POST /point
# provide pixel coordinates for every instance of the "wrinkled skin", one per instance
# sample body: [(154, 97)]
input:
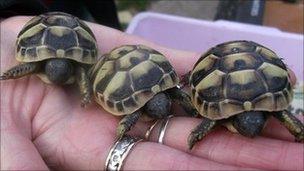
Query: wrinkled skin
[(43, 126)]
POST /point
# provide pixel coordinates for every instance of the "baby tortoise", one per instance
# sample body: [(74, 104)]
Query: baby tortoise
[(58, 47), (133, 80), (240, 84)]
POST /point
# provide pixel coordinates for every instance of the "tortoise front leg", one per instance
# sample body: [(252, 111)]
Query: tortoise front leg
[(200, 131), (127, 122), (294, 126), (84, 85), (184, 100), (21, 70)]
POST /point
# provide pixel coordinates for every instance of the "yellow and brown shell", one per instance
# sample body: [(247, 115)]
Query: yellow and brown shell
[(56, 35), (239, 76), (129, 76)]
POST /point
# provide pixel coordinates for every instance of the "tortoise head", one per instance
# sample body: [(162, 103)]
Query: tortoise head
[(249, 123), (58, 71), (159, 106)]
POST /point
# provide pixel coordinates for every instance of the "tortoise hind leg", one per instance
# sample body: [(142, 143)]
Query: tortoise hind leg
[(184, 100), (201, 131), (21, 70), (294, 126), (127, 122), (84, 85)]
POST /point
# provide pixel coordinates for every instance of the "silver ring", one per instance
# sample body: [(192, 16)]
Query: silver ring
[(147, 134), (162, 129), (119, 151)]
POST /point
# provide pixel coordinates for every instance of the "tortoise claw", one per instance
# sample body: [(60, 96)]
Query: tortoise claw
[(300, 137), (193, 138), (121, 130), (299, 140), (85, 102), (3, 77)]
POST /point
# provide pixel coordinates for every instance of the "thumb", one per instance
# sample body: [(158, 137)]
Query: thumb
[(17, 150)]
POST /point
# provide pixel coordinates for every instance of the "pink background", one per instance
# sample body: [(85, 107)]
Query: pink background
[(199, 35)]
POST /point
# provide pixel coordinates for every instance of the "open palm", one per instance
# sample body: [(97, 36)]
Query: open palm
[(43, 126)]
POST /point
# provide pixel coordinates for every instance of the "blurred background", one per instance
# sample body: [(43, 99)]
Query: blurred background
[(286, 15)]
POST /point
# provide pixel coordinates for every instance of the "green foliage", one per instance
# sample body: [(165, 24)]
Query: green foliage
[(138, 5)]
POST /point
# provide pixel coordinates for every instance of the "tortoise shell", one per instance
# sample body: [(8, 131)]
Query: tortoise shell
[(239, 76), (56, 35), (129, 76)]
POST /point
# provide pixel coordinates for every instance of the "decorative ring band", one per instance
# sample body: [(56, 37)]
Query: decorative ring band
[(119, 152), (162, 129)]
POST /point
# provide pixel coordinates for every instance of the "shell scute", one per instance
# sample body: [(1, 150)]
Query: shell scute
[(275, 77), (61, 20), (233, 47), (33, 22), (239, 61), (145, 75), (244, 85), (210, 88), (203, 68), (32, 37), (119, 87), (59, 37), (269, 56), (85, 39)]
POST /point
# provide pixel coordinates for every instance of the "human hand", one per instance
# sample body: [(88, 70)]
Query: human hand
[(43, 126)]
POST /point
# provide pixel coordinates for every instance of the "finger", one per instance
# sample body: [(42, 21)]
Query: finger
[(8, 35), (233, 149), (17, 151), (153, 156)]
